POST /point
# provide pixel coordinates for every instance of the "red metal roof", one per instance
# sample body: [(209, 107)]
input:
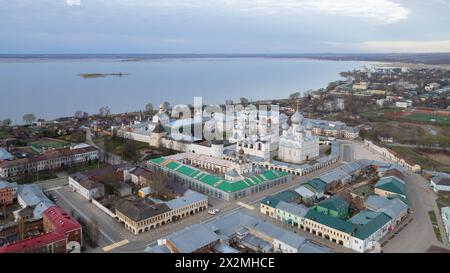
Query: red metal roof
[(61, 221), (33, 243)]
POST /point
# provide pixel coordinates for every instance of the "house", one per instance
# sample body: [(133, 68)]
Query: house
[(47, 243), (314, 189), (56, 220), (86, 187), (403, 104), (8, 192), (195, 239), (394, 208), (140, 176), (441, 183), (291, 213), (269, 204), (385, 139), (390, 185), (368, 228), (335, 206), (142, 215)]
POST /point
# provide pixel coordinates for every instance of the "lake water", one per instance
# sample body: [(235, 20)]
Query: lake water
[(52, 88)]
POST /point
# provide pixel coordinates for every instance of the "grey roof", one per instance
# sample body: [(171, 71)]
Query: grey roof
[(441, 180), (256, 243), (230, 224), (157, 249), (4, 184), (40, 208), (142, 209), (294, 209), (280, 234), (224, 248), (193, 238), (5, 155), (89, 184), (309, 247), (189, 197), (232, 173), (32, 195), (392, 207)]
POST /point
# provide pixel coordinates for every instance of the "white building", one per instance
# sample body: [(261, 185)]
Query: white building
[(85, 187), (441, 183), (298, 145), (403, 104)]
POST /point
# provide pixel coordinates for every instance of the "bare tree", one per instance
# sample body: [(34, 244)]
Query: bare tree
[(104, 111), (149, 107), (93, 232), (29, 118), (158, 183)]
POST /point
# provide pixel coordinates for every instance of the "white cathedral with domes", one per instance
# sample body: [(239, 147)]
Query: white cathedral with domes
[(297, 143)]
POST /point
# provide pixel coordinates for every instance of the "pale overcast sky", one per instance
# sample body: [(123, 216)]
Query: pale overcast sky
[(224, 26)]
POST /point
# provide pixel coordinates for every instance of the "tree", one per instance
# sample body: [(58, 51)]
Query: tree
[(294, 96), (244, 101), (166, 105), (129, 149), (29, 118), (93, 232), (104, 111), (158, 184), (78, 114), (6, 122), (149, 108)]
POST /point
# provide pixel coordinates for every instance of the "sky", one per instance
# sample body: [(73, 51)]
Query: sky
[(224, 26)]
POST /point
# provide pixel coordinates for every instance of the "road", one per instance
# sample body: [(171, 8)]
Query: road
[(106, 156)]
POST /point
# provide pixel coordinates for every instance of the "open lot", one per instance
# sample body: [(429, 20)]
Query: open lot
[(428, 118)]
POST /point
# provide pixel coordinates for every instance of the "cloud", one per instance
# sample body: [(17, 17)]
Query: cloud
[(73, 2), (382, 11)]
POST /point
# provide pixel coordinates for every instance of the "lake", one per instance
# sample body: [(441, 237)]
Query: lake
[(51, 88)]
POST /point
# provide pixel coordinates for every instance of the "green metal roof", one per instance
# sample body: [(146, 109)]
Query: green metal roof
[(391, 184), (173, 165), (213, 180), (286, 196), (316, 184), (158, 160), (329, 221), (371, 222), (335, 203)]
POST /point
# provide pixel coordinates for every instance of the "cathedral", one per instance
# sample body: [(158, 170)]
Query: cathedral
[(297, 143)]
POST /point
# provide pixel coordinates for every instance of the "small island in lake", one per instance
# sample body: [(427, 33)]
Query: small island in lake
[(100, 75)]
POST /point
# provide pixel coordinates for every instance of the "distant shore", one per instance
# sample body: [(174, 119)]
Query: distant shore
[(100, 75)]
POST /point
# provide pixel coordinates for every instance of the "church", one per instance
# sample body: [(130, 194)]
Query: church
[(297, 143)]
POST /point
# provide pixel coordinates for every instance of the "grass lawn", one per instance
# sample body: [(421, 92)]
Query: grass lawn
[(434, 222), (428, 118), (117, 146)]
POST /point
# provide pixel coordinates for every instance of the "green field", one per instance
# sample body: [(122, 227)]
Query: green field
[(428, 118), (40, 145)]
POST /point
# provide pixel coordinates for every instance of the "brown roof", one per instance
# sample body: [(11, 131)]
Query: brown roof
[(158, 128), (395, 173)]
